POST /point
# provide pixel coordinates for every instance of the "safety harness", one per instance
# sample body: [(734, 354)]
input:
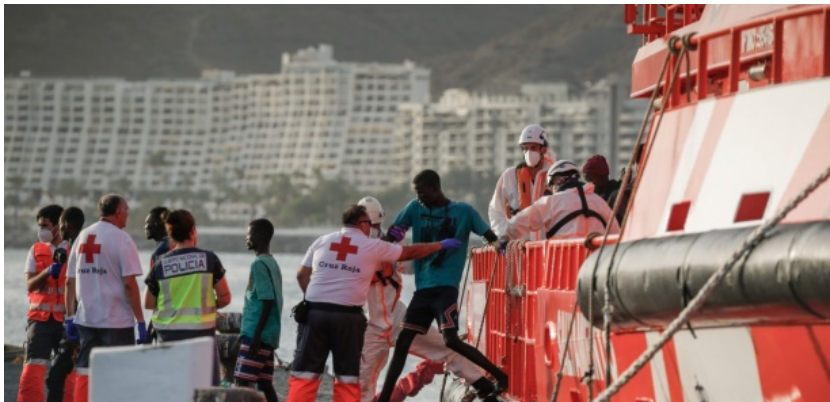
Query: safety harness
[(585, 211)]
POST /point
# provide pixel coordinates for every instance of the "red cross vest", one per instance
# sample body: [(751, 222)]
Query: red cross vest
[(49, 299)]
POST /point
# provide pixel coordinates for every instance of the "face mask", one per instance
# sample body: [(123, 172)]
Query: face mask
[(532, 158), (45, 235), (374, 233)]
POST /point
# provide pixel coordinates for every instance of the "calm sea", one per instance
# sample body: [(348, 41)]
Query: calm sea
[(237, 266)]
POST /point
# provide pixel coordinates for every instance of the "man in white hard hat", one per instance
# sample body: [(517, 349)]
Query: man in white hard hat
[(386, 312), (572, 210), (520, 186)]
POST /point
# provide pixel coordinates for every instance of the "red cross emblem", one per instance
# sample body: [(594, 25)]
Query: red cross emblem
[(89, 249), (343, 249)]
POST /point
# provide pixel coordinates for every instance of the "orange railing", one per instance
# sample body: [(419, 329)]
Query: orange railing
[(516, 327)]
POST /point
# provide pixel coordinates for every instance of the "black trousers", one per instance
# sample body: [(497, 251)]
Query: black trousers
[(62, 365), (340, 333)]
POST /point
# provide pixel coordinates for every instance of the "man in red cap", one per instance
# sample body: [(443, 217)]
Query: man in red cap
[(595, 171)]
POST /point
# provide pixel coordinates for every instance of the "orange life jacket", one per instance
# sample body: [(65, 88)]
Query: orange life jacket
[(49, 298), (524, 180)]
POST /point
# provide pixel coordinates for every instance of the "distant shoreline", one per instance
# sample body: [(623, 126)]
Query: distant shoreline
[(216, 238)]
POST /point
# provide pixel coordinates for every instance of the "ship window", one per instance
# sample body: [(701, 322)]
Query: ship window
[(677, 218), (752, 207)]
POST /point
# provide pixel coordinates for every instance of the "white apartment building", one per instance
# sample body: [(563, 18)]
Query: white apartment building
[(316, 115), (481, 131), (105, 133)]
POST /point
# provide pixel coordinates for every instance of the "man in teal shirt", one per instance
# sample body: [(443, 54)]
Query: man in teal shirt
[(434, 217), (261, 314)]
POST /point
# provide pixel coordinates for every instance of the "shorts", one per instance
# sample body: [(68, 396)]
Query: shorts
[(254, 368), (42, 338), (97, 337), (440, 302)]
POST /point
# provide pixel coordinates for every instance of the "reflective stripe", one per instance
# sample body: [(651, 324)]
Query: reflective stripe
[(165, 291), (205, 287), (61, 291), (39, 362), (185, 311), (47, 307), (82, 370), (307, 375), (346, 379), (184, 325)]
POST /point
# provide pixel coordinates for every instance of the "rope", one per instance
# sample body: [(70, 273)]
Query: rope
[(564, 355), (753, 240), (519, 290), (683, 54), (508, 286), (617, 205), (487, 298)]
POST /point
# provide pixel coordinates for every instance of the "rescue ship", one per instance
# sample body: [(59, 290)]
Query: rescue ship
[(718, 286)]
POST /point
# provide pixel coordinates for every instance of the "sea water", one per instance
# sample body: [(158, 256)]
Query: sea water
[(237, 266)]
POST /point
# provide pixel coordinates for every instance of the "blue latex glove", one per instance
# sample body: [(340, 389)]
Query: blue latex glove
[(450, 244), (55, 269), (142, 334), (398, 232), (71, 329), (502, 244)]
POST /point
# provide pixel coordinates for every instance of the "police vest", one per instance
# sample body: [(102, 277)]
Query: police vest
[(49, 298), (186, 301)]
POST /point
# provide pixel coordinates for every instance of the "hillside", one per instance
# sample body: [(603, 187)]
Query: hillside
[(475, 47)]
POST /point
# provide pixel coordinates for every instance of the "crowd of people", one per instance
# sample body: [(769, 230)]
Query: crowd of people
[(84, 292)]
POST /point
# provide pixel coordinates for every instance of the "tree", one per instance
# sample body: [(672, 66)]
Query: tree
[(15, 198), (121, 185), (221, 190), (475, 188), (70, 191)]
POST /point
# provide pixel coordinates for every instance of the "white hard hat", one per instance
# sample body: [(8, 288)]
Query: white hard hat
[(533, 134), (373, 208), (562, 167)]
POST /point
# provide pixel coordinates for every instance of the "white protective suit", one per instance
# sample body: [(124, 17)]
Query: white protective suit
[(386, 312), (506, 196), (549, 210)]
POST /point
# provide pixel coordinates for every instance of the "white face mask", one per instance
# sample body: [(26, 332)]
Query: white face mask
[(45, 235), (374, 233), (532, 158)]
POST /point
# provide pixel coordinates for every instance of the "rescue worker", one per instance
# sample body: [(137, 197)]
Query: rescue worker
[(45, 277), (596, 170), (386, 312), (573, 210), (186, 286), (60, 381), (335, 276), (101, 272), (434, 217), (520, 186), (624, 191)]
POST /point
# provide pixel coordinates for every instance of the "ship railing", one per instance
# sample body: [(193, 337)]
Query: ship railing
[(658, 20), (531, 300)]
